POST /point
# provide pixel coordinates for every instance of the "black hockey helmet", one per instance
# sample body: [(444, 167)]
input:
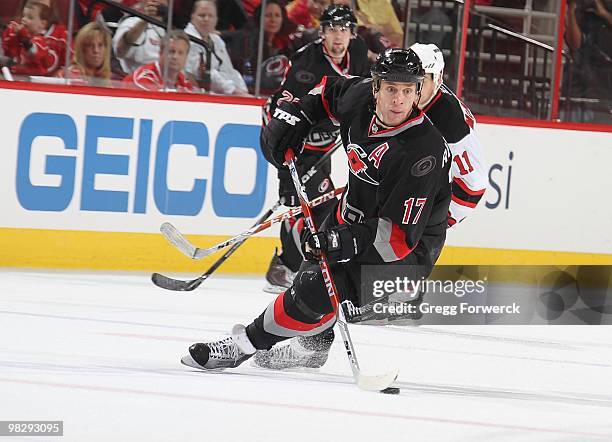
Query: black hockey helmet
[(401, 65), (338, 15)]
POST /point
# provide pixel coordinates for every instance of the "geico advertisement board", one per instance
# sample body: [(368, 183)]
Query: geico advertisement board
[(124, 164)]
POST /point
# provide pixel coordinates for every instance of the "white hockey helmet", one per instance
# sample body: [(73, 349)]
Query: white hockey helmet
[(433, 61)]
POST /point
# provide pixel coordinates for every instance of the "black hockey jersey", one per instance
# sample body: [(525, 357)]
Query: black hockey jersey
[(469, 171), (399, 181), (306, 69)]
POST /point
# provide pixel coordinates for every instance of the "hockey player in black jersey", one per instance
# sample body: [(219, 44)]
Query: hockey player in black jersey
[(336, 52), (394, 210), (458, 127), (457, 124)]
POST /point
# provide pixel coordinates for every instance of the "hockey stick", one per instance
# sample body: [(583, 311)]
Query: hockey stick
[(177, 239), (370, 383), (179, 285), (168, 283)]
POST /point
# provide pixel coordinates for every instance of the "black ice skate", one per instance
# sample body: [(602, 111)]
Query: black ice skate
[(300, 352), (229, 352), (279, 276)]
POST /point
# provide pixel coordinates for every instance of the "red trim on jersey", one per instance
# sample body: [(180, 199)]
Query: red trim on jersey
[(433, 100), (299, 225), (323, 84), (461, 202), (466, 189), (397, 241), (339, 215), (399, 128), (284, 320), (451, 221), (317, 148)]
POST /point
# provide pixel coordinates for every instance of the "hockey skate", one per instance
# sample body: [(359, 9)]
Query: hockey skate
[(300, 352), (228, 352), (279, 276)]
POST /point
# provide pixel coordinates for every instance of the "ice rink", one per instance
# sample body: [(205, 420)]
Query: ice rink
[(101, 351)]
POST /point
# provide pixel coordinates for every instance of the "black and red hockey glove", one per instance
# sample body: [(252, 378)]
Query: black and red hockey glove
[(286, 190), (287, 129), (340, 243)]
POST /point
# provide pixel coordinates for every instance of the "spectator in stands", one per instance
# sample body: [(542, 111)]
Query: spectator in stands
[(306, 12), (243, 45), (589, 37), (150, 76), (379, 16), (36, 44), (91, 63), (374, 39), (224, 79), (136, 42)]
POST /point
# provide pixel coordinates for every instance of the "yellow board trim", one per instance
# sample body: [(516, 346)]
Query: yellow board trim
[(61, 249)]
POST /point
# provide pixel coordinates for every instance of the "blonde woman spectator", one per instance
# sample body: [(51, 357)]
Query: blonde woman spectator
[(136, 41), (223, 77), (91, 63)]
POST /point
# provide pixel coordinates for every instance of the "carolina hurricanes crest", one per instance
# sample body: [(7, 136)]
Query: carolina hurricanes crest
[(357, 165)]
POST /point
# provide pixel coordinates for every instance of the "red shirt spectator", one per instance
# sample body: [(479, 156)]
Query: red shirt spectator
[(149, 77), (38, 47)]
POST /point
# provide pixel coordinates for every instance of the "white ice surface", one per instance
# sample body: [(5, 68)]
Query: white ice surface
[(101, 352)]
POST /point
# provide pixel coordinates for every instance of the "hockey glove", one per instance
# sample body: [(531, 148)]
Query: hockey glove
[(286, 190), (287, 129), (340, 243)]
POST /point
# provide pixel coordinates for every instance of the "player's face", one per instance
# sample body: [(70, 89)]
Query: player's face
[(94, 51), (394, 101), (428, 90), (204, 17), (273, 18), (32, 21), (177, 55), (336, 40)]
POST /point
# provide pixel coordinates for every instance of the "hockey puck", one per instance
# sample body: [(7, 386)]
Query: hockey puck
[(390, 390)]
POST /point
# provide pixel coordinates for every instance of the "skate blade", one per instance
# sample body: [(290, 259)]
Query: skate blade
[(190, 362), (377, 382)]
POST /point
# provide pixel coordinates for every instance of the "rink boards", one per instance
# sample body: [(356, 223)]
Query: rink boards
[(87, 179)]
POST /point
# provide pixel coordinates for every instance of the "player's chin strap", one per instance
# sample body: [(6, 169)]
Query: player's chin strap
[(370, 383)]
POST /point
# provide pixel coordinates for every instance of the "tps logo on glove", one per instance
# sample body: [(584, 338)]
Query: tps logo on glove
[(280, 114)]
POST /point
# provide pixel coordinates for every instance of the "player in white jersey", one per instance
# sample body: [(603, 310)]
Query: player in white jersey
[(457, 125)]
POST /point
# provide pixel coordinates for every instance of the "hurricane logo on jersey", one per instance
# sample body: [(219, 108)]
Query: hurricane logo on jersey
[(357, 165)]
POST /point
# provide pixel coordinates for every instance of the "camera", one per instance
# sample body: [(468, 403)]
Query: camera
[(162, 11)]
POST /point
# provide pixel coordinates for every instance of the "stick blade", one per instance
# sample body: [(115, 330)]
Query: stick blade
[(377, 382), (177, 239), (176, 285)]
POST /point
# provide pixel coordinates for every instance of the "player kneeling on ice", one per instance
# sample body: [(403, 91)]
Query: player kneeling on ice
[(393, 211)]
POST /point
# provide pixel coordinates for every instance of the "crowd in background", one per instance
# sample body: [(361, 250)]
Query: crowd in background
[(214, 44)]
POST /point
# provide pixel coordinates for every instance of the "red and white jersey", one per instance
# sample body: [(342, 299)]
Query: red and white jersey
[(149, 77), (469, 169), (44, 57)]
